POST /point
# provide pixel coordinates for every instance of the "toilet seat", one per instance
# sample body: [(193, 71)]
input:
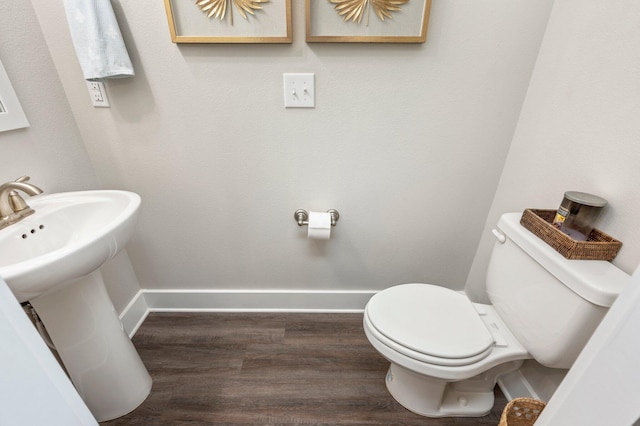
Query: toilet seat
[(428, 323)]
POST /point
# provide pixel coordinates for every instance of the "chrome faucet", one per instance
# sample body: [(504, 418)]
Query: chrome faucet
[(13, 208)]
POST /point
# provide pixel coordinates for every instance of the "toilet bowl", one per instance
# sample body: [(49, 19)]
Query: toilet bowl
[(447, 353)]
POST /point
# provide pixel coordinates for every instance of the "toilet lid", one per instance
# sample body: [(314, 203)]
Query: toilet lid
[(430, 320)]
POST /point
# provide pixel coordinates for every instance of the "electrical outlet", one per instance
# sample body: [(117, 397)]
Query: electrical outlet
[(299, 90), (98, 94)]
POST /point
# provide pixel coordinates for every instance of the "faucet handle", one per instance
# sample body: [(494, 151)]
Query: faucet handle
[(24, 179)]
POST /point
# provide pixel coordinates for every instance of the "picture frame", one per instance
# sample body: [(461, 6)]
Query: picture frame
[(360, 22), (11, 114), (268, 21)]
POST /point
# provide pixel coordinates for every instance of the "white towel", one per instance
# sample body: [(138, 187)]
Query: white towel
[(97, 39)]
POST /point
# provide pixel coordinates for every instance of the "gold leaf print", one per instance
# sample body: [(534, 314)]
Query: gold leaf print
[(217, 9), (354, 10)]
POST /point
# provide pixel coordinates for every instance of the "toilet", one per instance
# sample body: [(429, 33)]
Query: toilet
[(447, 353)]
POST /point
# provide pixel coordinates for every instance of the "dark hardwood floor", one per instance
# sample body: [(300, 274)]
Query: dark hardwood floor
[(268, 369)]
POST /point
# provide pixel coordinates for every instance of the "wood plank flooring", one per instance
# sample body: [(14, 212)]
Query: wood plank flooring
[(268, 369)]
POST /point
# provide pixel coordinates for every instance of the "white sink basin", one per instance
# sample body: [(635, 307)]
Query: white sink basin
[(69, 236), (52, 259)]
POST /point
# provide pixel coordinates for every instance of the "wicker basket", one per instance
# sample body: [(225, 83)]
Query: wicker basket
[(521, 412), (598, 246)]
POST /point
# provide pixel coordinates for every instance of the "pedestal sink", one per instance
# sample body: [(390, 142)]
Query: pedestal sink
[(52, 259)]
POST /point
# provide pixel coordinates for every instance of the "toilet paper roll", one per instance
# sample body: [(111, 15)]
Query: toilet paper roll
[(319, 226)]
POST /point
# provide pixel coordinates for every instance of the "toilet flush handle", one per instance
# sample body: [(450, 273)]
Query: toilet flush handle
[(499, 236)]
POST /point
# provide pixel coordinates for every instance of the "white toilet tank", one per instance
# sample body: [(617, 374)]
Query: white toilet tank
[(551, 304)]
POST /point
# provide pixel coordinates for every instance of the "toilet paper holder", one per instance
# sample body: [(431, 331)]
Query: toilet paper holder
[(302, 216)]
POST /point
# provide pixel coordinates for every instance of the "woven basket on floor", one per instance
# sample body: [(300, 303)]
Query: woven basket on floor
[(521, 412), (599, 246)]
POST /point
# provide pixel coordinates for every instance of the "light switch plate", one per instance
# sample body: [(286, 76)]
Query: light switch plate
[(299, 90)]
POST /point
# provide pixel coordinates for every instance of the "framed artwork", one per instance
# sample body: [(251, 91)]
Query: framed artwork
[(11, 113), (367, 21), (229, 21)]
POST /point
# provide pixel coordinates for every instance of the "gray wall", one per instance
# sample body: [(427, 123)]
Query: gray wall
[(406, 141), (51, 150), (578, 129)]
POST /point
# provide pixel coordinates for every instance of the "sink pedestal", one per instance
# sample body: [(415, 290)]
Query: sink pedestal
[(101, 360)]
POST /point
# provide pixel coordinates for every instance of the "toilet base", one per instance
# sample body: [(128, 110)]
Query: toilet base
[(431, 397)]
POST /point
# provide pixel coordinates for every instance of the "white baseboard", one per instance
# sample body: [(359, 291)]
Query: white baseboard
[(515, 385), (134, 314), (343, 301)]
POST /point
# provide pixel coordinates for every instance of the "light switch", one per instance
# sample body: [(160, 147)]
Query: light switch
[(98, 94), (299, 90)]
